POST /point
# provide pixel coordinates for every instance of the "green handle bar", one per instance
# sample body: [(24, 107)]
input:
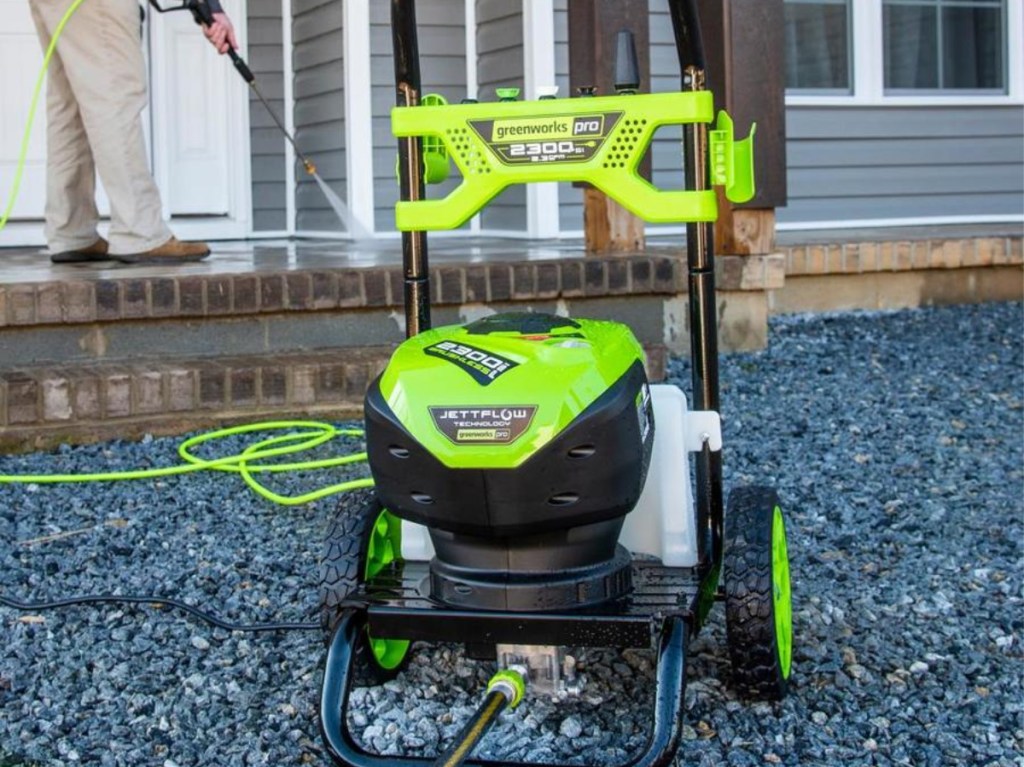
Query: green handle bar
[(597, 140)]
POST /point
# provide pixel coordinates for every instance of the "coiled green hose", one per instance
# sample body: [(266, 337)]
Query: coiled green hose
[(305, 435)]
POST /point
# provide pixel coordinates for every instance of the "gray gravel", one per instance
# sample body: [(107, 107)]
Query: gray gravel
[(895, 441)]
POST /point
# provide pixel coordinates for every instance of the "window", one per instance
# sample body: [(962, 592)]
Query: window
[(944, 45), (818, 46), (912, 52)]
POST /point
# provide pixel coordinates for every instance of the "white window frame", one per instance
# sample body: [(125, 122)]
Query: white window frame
[(542, 211), (358, 115), (868, 73)]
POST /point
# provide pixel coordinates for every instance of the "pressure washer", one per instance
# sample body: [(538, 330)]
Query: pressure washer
[(522, 503)]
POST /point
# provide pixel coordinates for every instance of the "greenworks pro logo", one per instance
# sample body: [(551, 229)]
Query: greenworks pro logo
[(546, 128), (550, 139), (484, 366)]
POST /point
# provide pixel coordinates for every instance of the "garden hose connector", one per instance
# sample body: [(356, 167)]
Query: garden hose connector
[(509, 682)]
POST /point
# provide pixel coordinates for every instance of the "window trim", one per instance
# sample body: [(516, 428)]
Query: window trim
[(868, 70)]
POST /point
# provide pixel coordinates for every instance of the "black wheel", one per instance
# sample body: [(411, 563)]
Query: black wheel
[(361, 540), (758, 612)]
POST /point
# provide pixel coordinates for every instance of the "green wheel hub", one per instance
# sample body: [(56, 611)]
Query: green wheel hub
[(781, 595), (382, 548)]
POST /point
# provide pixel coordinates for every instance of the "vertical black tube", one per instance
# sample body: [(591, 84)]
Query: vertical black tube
[(703, 327), (410, 166), (686, 26), (669, 698)]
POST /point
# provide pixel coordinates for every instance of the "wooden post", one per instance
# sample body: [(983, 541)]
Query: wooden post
[(593, 28), (745, 45)]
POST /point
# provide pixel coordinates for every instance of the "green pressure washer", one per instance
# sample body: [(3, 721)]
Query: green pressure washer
[(516, 465)]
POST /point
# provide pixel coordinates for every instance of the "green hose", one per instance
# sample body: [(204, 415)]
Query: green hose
[(23, 153), (310, 434)]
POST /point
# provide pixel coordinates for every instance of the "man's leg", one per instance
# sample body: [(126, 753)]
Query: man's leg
[(71, 214), (102, 59)]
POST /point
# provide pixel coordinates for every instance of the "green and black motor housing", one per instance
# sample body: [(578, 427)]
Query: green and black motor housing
[(520, 441)]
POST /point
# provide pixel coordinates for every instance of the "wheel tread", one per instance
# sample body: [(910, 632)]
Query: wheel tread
[(342, 564), (750, 621)]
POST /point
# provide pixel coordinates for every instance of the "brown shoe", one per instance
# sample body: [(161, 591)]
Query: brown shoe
[(95, 252), (174, 251)]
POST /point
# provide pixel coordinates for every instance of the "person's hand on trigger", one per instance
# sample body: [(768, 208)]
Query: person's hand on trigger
[(221, 33)]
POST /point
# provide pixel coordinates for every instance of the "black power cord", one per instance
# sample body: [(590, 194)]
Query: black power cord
[(133, 599)]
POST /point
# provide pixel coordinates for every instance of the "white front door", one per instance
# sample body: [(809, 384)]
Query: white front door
[(188, 90), (199, 107), (197, 104)]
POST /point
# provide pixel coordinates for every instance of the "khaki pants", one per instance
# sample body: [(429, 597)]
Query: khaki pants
[(96, 91)]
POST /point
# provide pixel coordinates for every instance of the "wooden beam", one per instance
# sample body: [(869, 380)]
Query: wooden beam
[(745, 40), (594, 26), (745, 44), (744, 231), (607, 226)]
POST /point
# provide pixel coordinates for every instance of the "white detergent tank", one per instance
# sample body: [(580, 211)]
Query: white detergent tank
[(663, 523)]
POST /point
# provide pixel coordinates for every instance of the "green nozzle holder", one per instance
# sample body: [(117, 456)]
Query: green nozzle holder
[(435, 155), (608, 135), (732, 162)]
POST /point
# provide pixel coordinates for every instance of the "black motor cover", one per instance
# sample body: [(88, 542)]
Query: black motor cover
[(592, 472)]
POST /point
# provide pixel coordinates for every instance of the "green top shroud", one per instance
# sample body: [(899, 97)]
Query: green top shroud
[(569, 368), (599, 140)]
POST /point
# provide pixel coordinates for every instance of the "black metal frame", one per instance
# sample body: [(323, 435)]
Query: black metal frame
[(398, 603), (661, 747), (392, 603)]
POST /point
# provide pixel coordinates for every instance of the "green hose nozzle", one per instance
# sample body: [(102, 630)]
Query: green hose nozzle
[(511, 683)]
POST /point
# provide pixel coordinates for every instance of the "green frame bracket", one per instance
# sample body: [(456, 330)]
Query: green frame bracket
[(598, 140), (435, 155)]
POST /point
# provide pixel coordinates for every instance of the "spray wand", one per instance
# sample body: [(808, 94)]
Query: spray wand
[(203, 16)]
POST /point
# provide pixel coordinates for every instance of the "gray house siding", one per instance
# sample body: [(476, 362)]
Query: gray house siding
[(319, 94), (442, 44), (666, 148), (499, 42), (267, 146), (846, 163), (858, 163)]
